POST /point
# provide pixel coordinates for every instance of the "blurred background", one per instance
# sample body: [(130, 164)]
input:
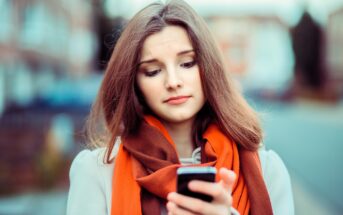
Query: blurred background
[(287, 56)]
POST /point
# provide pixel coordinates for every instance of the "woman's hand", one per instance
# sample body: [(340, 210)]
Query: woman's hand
[(221, 192)]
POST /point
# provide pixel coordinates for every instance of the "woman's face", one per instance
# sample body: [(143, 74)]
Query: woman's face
[(169, 77)]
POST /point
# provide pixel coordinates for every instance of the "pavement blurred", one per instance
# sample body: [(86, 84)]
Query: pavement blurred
[(308, 136), (35, 203)]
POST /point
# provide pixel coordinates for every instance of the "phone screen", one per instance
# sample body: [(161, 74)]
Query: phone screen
[(186, 174)]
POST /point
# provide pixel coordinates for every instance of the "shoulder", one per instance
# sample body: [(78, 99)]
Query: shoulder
[(271, 163), (90, 162), (273, 168), (89, 174), (89, 167), (278, 182), (89, 158)]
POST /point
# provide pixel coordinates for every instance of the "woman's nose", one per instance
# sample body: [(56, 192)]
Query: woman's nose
[(173, 79)]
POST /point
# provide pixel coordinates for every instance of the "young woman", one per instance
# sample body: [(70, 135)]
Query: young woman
[(167, 101)]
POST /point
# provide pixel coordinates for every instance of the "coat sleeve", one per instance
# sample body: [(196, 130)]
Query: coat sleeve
[(278, 183), (86, 193)]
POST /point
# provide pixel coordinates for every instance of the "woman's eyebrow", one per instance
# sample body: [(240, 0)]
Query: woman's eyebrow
[(148, 61), (155, 60), (185, 52)]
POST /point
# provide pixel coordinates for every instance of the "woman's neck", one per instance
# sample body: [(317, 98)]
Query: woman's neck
[(181, 135)]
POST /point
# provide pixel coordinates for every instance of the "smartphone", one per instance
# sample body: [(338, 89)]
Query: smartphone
[(186, 174)]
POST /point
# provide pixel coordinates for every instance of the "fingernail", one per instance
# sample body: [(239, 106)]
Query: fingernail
[(191, 185)]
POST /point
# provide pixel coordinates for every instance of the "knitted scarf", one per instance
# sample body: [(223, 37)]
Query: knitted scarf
[(146, 164)]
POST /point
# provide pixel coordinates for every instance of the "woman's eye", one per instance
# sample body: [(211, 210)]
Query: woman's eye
[(188, 64), (152, 73)]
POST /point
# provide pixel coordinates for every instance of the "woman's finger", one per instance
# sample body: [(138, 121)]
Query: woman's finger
[(194, 205), (228, 179), (186, 202), (216, 190), (173, 209)]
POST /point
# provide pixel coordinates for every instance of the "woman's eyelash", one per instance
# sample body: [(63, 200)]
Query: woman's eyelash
[(188, 64), (155, 72), (152, 73)]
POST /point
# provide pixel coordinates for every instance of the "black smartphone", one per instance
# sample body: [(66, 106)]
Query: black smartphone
[(186, 174)]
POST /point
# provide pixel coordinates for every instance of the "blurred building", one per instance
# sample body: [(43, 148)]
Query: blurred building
[(47, 49), (307, 43), (334, 49), (257, 50), (41, 42)]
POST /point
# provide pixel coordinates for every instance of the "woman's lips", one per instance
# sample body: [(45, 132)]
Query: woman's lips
[(177, 100)]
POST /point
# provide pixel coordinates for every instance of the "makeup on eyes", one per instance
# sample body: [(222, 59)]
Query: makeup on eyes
[(152, 72), (151, 67)]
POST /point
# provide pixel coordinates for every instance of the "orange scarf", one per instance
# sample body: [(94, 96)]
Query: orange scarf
[(146, 163)]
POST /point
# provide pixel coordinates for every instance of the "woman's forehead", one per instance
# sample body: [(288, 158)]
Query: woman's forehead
[(171, 39)]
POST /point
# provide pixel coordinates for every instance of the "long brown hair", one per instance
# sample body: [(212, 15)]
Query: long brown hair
[(118, 109)]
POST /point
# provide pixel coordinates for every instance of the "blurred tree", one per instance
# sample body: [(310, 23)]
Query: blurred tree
[(307, 38), (108, 31)]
